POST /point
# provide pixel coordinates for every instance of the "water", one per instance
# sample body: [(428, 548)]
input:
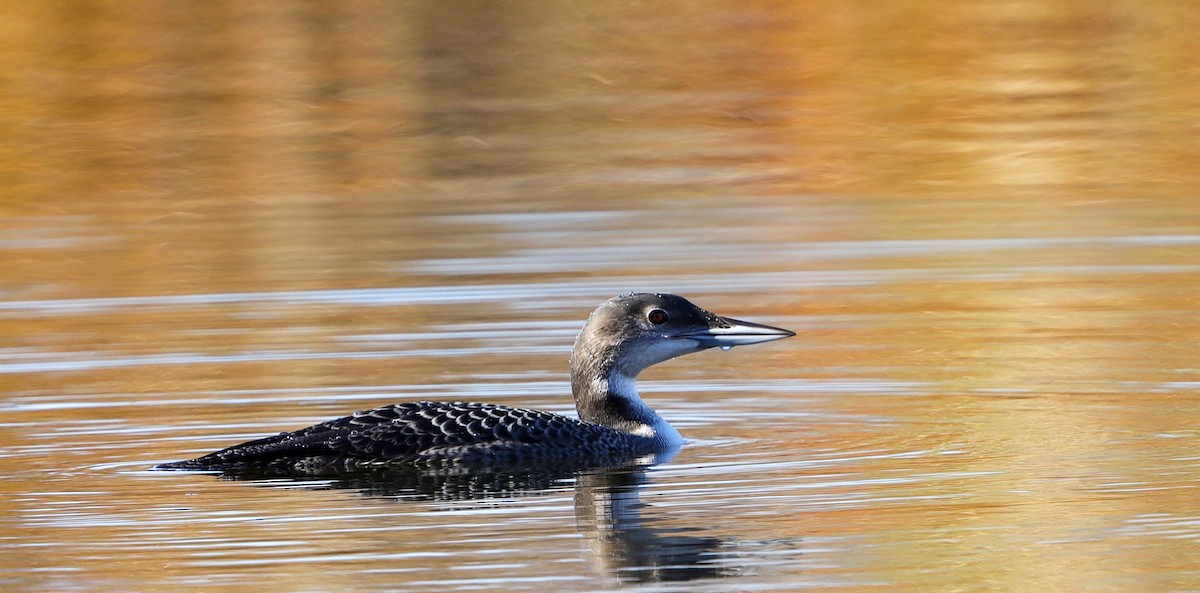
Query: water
[(218, 222)]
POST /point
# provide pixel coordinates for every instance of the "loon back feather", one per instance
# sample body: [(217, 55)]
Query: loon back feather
[(432, 431)]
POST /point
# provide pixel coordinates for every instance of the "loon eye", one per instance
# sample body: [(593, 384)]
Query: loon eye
[(657, 316)]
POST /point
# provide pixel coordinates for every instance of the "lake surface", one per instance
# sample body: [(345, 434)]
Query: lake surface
[(221, 221)]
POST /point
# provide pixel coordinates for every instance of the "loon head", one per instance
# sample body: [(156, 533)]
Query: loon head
[(636, 330), (633, 331)]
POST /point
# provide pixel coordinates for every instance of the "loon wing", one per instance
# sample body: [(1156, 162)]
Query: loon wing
[(414, 431)]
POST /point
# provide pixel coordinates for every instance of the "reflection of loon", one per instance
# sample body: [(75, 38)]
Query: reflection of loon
[(627, 540), (626, 545), (621, 338)]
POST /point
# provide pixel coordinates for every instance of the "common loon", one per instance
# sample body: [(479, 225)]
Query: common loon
[(623, 336)]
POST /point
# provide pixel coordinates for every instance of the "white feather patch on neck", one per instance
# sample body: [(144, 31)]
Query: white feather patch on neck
[(624, 386)]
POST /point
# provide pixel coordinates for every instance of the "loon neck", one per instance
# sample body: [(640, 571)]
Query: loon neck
[(612, 400), (606, 393)]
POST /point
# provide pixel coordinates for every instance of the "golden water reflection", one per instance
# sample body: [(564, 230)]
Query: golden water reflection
[(223, 220)]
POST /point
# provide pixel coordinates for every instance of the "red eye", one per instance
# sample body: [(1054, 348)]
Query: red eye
[(657, 317)]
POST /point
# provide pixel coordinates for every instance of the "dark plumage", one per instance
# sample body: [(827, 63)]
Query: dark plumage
[(431, 433), (621, 338)]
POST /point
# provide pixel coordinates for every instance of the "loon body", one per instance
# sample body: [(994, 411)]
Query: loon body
[(622, 337)]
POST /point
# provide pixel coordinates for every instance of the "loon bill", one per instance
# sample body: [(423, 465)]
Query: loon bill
[(623, 336)]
